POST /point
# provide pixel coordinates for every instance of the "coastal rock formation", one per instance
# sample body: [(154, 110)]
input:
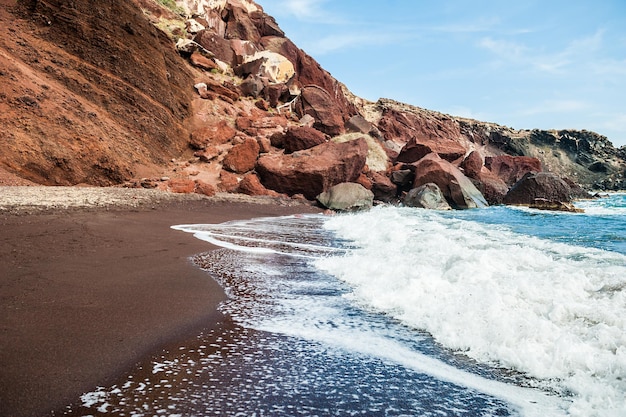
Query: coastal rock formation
[(302, 137), (541, 185), (313, 171), (512, 168), (347, 196), (456, 187), (212, 92)]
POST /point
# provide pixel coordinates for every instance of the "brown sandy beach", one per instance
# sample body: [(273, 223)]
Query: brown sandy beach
[(95, 281)]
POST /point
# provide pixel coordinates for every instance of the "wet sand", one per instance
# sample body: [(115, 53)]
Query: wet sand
[(87, 293)]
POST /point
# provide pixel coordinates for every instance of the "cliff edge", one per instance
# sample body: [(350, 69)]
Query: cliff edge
[(210, 96)]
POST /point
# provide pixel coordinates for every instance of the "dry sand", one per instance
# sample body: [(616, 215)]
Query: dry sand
[(93, 280)]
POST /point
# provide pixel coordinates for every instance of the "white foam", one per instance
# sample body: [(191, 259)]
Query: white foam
[(554, 311)]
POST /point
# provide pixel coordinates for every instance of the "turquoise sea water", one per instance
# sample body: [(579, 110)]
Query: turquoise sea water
[(402, 312)]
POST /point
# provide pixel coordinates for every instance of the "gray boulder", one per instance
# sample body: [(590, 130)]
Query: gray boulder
[(427, 196), (347, 196)]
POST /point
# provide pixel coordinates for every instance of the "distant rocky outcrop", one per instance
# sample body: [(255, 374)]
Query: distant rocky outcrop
[(209, 95)]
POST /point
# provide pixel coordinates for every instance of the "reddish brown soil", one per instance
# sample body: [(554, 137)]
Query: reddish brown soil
[(90, 92)]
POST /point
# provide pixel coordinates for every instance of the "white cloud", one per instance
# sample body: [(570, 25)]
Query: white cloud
[(556, 106), (350, 40), (307, 10), (579, 52), (616, 122), (518, 54)]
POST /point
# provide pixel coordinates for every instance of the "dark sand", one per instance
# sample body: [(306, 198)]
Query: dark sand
[(86, 294)]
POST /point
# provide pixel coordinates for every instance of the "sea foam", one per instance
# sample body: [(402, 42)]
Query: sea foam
[(554, 311)]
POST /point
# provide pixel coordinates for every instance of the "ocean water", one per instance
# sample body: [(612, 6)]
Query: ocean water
[(402, 312)]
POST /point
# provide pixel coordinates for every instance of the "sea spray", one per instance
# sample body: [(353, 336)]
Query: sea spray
[(494, 312), (554, 311)]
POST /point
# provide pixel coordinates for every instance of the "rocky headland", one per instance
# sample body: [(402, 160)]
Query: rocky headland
[(208, 96)]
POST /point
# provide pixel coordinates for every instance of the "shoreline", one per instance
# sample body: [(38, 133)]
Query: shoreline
[(88, 291)]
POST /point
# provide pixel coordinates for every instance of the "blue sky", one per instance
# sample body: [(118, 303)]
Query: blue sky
[(548, 64)]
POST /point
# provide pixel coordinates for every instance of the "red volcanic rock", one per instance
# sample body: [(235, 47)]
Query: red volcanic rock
[(539, 185), (312, 171), (456, 187), (204, 188), (512, 168), (266, 25), (242, 157), (419, 133), (256, 125), (274, 93), (206, 155), (492, 186), (364, 181), (265, 145), (229, 182), (301, 137), (213, 20), (216, 134), (310, 75), (358, 124), (262, 104), (251, 185), (472, 165), (180, 185), (382, 187), (200, 61), (239, 25), (217, 45), (418, 147), (227, 90), (318, 103)]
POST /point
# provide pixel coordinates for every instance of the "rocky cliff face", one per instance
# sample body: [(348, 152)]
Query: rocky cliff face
[(90, 92), (209, 95)]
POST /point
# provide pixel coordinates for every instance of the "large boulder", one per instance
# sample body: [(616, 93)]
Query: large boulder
[(347, 196), (382, 187), (472, 165), (318, 103), (313, 171), (491, 186), (420, 146), (300, 138), (270, 65), (377, 159), (458, 190), (242, 157), (512, 168), (539, 185), (221, 48), (427, 196)]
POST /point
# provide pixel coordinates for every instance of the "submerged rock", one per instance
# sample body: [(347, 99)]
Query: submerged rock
[(543, 204)]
